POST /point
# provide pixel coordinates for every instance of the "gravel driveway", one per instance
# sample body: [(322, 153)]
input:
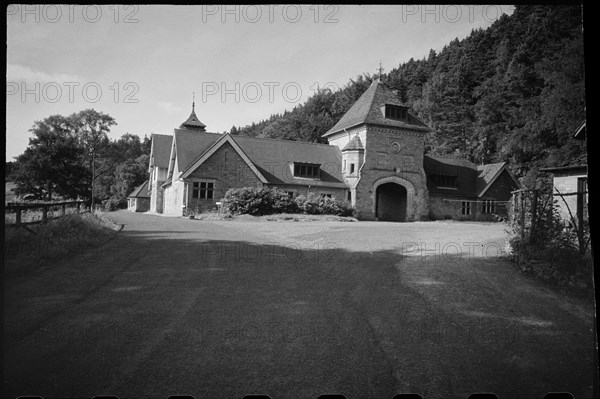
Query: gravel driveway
[(294, 309)]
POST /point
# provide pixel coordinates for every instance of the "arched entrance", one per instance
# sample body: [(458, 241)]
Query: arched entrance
[(391, 201)]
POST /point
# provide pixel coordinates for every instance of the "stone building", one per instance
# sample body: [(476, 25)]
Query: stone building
[(139, 199), (375, 160)]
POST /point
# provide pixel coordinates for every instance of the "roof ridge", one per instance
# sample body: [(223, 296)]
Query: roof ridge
[(195, 132), (446, 157), (493, 163), (288, 141)]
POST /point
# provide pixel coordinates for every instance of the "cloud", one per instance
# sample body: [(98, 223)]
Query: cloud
[(169, 108), (19, 73)]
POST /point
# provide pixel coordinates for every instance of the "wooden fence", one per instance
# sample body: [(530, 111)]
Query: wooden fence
[(19, 207)]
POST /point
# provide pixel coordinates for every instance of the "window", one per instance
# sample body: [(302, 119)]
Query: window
[(395, 112), (306, 170), (351, 168), (344, 168), (489, 206), (443, 180), (349, 196), (291, 194), (203, 190), (466, 207)]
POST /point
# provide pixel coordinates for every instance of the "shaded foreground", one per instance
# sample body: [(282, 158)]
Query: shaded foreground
[(224, 309)]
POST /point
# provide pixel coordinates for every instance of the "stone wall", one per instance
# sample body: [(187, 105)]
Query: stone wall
[(226, 169), (443, 208), (142, 204)]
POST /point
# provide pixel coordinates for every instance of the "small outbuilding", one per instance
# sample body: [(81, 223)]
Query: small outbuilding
[(139, 199), (570, 185), (571, 191)]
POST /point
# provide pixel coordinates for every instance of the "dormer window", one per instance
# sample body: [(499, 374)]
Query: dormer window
[(307, 170), (395, 112), (443, 181)]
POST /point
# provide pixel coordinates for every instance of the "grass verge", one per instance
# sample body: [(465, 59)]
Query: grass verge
[(36, 247)]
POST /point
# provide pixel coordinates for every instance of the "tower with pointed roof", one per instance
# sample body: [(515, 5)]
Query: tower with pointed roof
[(192, 122), (382, 145)]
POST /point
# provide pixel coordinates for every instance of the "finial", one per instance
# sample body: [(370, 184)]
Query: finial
[(193, 100), (380, 71)]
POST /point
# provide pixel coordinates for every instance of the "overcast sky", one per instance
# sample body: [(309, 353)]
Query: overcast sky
[(141, 64)]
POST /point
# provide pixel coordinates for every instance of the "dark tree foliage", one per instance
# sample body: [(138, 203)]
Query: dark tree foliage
[(66, 151), (8, 170), (513, 92)]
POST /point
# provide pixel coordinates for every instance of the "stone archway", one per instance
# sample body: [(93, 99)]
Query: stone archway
[(393, 199), (390, 202)]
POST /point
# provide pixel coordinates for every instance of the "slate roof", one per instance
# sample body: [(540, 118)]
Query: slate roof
[(161, 150), (354, 144), (464, 170), (272, 157), (367, 109), (471, 179), (190, 145), (575, 169), (486, 173), (140, 191)]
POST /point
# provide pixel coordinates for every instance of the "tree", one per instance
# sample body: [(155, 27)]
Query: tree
[(52, 161), (8, 171), (91, 128)]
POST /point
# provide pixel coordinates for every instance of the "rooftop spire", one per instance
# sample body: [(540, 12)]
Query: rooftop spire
[(193, 123)]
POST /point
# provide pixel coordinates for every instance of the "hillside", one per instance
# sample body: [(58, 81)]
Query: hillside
[(513, 92)]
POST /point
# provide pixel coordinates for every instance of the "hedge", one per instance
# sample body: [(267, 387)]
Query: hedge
[(266, 201)]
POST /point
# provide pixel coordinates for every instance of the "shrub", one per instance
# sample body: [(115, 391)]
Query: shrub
[(266, 201), (256, 201), (314, 204), (283, 203), (543, 238)]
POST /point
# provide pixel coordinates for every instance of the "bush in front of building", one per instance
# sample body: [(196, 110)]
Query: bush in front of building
[(314, 204), (265, 201), (257, 201)]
